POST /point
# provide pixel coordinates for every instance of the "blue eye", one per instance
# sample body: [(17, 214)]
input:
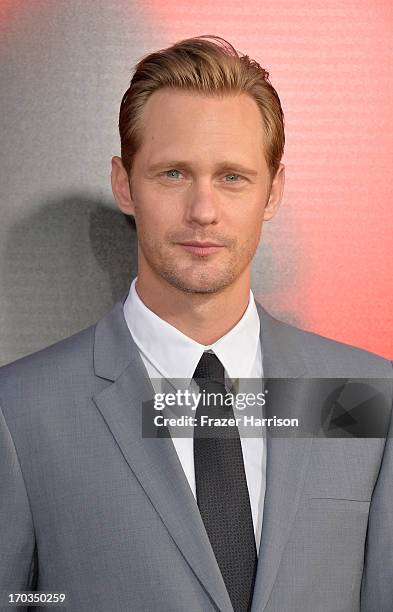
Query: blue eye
[(170, 173), (237, 175)]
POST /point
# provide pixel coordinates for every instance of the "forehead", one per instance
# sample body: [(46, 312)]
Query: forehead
[(173, 121)]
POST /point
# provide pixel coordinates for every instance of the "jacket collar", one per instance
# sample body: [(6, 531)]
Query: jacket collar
[(115, 349)]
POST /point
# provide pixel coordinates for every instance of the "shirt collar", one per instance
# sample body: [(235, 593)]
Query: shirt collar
[(175, 355)]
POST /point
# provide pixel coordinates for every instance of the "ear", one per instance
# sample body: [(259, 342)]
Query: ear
[(121, 187), (276, 192)]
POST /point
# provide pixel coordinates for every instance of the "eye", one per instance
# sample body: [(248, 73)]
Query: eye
[(172, 173), (234, 178)]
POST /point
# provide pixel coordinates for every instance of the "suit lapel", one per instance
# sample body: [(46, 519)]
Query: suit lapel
[(287, 458), (153, 461)]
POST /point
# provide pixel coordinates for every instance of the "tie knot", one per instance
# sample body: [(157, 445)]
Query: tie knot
[(210, 368)]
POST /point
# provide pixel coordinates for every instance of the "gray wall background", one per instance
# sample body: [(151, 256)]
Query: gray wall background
[(66, 253)]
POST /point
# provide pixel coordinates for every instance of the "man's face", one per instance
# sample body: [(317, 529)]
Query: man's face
[(200, 178)]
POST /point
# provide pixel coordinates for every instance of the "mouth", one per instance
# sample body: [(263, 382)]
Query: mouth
[(202, 249)]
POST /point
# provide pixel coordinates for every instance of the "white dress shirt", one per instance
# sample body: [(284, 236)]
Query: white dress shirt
[(168, 353)]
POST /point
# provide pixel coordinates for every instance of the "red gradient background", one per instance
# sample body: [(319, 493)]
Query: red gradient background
[(332, 65)]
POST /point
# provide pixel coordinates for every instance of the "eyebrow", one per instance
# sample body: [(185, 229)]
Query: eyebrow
[(220, 167)]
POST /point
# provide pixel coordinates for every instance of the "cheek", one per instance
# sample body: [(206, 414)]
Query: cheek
[(147, 213), (158, 215), (249, 223), (153, 225)]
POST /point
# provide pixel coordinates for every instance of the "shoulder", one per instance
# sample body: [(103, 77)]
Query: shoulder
[(65, 361), (322, 354)]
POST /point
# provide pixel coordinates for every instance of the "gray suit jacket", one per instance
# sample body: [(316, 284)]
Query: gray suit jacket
[(90, 508)]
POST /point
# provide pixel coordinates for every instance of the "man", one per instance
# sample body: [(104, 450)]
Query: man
[(117, 520)]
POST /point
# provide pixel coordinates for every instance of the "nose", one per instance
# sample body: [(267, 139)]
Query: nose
[(202, 204)]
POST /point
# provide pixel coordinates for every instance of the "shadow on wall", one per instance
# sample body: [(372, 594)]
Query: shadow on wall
[(63, 268)]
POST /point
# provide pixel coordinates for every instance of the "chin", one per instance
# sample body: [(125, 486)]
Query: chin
[(202, 285)]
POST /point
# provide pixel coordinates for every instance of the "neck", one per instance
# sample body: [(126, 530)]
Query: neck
[(204, 317)]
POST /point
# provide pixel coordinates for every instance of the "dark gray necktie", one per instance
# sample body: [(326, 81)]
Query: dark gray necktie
[(221, 489)]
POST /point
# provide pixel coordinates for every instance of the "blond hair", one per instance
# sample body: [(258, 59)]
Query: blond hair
[(208, 65)]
